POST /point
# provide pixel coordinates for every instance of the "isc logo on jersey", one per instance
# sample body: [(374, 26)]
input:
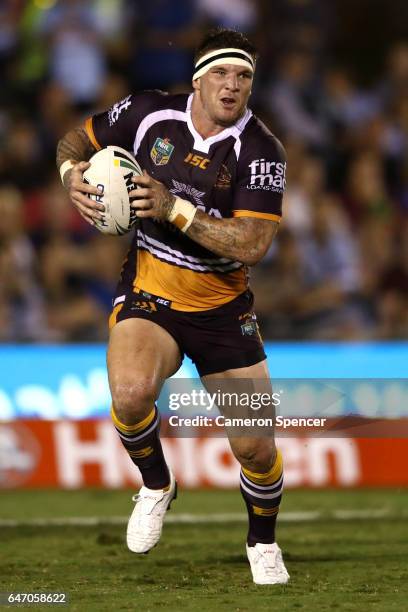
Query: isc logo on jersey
[(267, 175), (114, 112)]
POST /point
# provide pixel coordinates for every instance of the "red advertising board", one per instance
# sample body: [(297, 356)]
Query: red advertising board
[(74, 454)]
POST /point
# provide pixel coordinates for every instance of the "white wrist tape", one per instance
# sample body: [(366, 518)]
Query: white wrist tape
[(182, 214), (67, 165)]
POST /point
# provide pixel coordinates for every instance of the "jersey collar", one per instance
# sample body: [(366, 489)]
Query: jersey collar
[(203, 144)]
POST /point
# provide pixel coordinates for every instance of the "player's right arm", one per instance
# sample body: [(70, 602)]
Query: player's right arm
[(113, 127), (74, 148)]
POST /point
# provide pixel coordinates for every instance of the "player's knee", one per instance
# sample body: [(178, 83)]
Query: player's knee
[(133, 400), (256, 457)]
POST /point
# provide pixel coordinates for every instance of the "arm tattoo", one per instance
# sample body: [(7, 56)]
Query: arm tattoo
[(76, 146), (166, 202), (242, 239)]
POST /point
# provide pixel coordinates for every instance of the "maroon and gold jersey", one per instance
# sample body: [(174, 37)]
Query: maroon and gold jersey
[(240, 172)]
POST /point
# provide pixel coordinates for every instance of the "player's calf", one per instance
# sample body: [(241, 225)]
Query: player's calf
[(142, 442), (262, 493)]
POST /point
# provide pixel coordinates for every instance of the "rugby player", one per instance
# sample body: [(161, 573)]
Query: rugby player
[(209, 205)]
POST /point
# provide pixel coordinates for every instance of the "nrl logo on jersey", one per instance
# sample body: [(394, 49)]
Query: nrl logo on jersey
[(161, 151), (114, 112), (267, 175)]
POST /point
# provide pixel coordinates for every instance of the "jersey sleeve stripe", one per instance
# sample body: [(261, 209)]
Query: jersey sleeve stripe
[(257, 215), (91, 135)]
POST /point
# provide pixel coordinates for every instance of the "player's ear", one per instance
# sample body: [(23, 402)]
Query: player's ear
[(196, 84)]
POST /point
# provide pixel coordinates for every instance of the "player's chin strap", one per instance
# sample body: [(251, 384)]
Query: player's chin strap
[(236, 57)]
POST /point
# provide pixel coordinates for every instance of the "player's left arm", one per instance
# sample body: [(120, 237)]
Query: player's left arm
[(241, 239), (244, 239)]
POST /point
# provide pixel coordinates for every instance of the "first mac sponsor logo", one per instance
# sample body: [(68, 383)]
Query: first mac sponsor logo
[(267, 175)]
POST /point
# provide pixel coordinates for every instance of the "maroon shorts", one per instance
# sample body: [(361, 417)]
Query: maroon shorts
[(216, 340)]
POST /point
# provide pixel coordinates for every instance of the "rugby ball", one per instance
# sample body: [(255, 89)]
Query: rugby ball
[(112, 170)]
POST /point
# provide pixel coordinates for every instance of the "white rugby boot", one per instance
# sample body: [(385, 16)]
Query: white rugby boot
[(267, 565), (146, 521)]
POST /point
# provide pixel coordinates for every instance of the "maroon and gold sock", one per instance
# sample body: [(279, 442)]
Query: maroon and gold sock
[(143, 445), (262, 494)]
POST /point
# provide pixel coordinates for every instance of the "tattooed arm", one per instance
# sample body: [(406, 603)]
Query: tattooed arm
[(76, 147), (244, 239)]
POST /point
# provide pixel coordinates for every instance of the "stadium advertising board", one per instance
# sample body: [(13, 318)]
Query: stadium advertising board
[(74, 454), (55, 428), (70, 382)]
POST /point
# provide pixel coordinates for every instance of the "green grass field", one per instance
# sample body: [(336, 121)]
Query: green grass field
[(354, 564)]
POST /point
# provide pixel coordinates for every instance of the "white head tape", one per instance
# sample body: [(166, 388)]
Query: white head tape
[(237, 57)]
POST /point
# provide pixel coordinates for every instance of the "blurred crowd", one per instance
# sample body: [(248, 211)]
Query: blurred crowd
[(339, 267)]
